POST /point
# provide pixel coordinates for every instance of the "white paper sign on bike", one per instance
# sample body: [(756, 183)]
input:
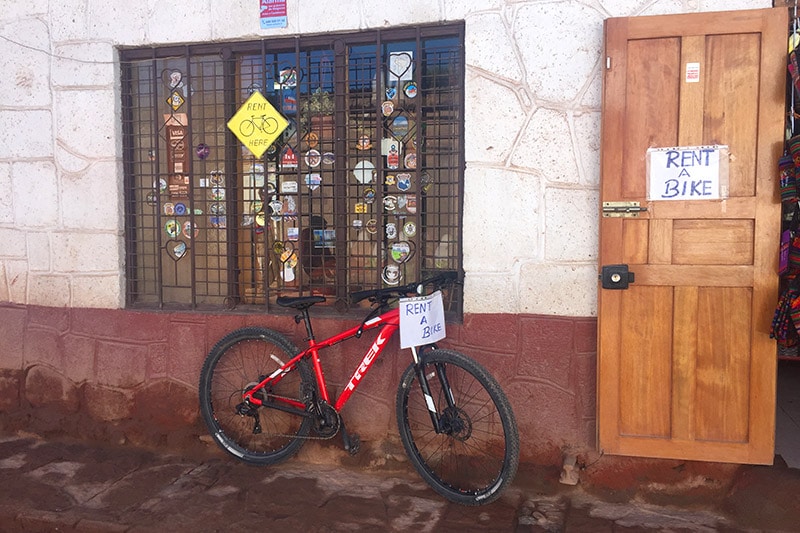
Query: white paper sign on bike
[(421, 320)]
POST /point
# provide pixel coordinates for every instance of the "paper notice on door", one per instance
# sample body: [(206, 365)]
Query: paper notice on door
[(692, 72)]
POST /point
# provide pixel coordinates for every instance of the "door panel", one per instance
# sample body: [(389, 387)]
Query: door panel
[(733, 65), (686, 368), (652, 95), (712, 242), (722, 371), (646, 354)]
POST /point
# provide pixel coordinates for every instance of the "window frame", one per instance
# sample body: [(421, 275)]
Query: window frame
[(230, 52)]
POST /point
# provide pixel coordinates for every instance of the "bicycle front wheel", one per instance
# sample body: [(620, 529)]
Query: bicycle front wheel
[(476, 454), (262, 434)]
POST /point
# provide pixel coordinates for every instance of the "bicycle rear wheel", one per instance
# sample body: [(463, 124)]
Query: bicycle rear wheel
[(260, 435), (476, 454)]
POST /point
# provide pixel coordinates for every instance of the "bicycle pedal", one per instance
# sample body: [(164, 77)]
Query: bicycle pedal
[(351, 442), (354, 444)]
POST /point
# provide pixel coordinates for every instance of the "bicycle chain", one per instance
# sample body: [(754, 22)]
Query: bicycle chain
[(308, 437)]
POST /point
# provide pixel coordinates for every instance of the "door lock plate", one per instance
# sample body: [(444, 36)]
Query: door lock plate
[(616, 277)]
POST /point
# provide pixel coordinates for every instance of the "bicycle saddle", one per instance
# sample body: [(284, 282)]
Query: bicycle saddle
[(299, 302)]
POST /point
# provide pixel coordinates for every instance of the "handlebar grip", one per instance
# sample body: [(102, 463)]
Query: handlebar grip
[(357, 296), (442, 279), (439, 280), (448, 276)]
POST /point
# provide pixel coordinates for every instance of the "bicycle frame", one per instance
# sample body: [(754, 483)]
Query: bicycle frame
[(389, 322)]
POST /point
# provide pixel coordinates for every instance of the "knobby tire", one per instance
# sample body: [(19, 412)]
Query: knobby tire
[(237, 362), (477, 457)]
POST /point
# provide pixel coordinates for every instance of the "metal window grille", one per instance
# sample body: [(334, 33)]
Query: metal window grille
[(363, 189)]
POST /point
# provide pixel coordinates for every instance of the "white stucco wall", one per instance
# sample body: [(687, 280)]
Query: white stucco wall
[(533, 90)]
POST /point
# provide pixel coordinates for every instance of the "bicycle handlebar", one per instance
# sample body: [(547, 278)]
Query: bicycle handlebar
[(438, 281)]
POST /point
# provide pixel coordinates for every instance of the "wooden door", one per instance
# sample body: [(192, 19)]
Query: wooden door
[(686, 368)]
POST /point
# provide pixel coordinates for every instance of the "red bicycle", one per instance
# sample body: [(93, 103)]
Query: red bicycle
[(262, 398)]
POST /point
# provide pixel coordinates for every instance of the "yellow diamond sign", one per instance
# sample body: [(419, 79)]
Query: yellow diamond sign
[(257, 124)]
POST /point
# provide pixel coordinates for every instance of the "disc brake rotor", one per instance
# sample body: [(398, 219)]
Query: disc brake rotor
[(457, 423)]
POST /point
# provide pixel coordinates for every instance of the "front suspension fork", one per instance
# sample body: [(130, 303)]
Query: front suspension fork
[(422, 378)]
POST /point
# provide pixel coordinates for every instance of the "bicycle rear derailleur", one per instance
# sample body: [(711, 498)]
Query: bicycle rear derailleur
[(248, 409)]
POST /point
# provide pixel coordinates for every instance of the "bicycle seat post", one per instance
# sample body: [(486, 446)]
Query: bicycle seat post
[(306, 319)]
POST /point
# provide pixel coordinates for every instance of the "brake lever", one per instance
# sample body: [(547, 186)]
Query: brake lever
[(375, 311)]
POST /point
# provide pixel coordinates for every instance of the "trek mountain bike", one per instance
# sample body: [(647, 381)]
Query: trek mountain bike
[(262, 398)]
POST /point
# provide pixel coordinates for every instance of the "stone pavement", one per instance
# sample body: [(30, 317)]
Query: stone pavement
[(58, 485)]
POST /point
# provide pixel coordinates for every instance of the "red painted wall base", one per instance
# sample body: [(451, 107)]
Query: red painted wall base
[(131, 376)]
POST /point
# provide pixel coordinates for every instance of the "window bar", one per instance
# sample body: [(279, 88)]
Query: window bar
[(331, 284), (417, 63), (188, 144), (424, 119), (265, 267), (304, 64), (380, 177), (230, 171), (340, 180), (156, 182), (271, 259), (428, 218), (131, 211), (148, 180), (427, 236), (303, 255), (460, 161)]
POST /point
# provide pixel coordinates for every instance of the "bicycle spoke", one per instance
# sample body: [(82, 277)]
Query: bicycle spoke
[(239, 362), (476, 453)]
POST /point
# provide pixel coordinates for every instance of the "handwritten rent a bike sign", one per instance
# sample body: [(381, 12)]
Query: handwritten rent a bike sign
[(687, 173), (257, 124), (421, 320)]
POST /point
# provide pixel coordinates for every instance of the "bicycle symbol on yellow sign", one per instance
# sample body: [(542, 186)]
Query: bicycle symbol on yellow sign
[(257, 124), (263, 124)]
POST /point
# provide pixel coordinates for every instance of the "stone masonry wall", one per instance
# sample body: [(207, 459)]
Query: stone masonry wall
[(532, 136)]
